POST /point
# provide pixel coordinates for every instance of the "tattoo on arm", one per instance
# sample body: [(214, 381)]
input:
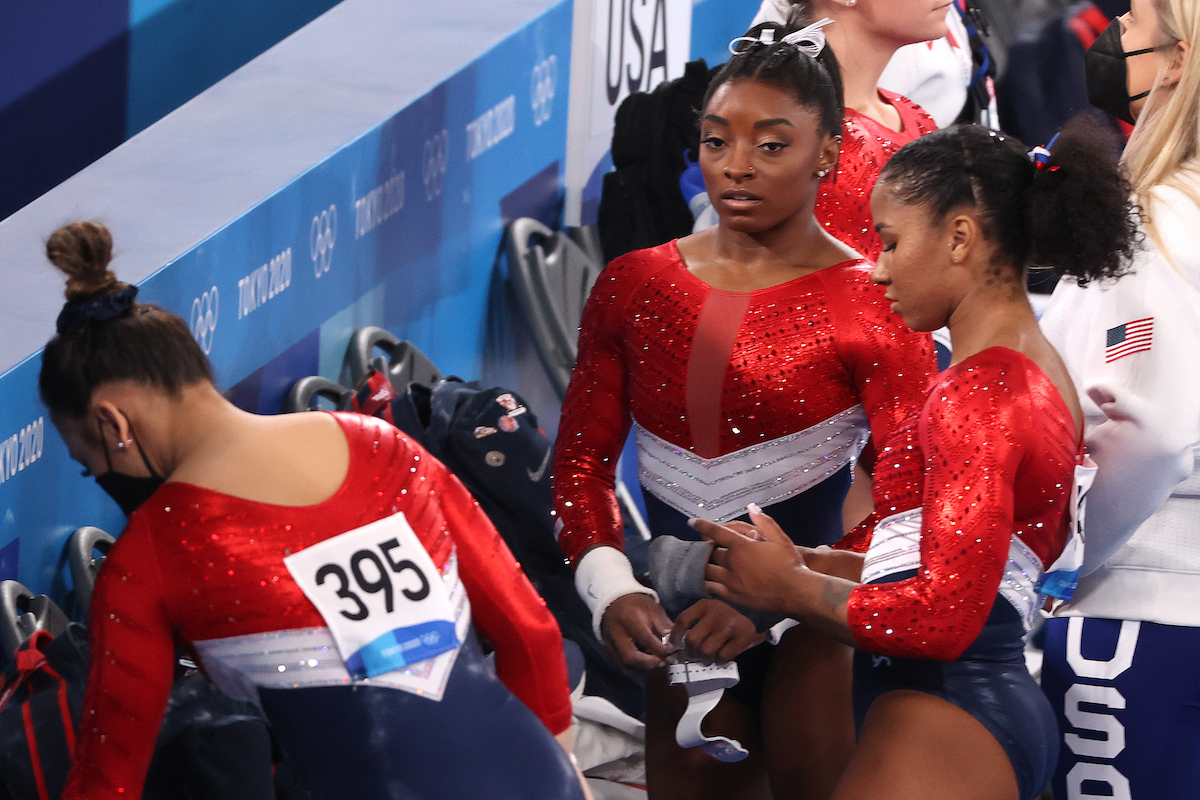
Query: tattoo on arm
[(835, 595), (827, 607)]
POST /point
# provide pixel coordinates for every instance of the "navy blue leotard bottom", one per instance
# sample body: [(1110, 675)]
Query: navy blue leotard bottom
[(356, 742), (811, 518), (989, 681)]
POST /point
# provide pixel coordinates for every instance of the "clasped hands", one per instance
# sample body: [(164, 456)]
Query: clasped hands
[(749, 566)]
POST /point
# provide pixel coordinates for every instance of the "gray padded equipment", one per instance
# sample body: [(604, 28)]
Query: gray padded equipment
[(588, 239), (22, 613), (402, 362), (306, 392), (552, 277), (86, 551)]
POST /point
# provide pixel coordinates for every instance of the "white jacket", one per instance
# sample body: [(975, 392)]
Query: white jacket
[(1141, 401)]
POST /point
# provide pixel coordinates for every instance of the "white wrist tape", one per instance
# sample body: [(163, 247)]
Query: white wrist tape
[(777, 631), (601, 576)]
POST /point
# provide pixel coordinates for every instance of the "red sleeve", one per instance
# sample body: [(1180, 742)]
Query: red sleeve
[(971, 436), (891, 364), (506, 609), (595, 420), (132, 668)]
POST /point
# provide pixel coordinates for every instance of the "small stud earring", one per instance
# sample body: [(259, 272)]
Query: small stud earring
[(821, 173), (850, 3), (120, 445)]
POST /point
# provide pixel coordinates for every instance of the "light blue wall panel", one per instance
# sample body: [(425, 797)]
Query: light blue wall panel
[(178, 48), (715, 23), (331, 183)]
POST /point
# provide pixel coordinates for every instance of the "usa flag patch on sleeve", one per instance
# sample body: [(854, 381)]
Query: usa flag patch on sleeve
[(1132, 337)]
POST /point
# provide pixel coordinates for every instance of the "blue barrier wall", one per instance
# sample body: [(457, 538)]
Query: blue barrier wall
[(77, 77), (359, 173), (397, 223), (715, 23)]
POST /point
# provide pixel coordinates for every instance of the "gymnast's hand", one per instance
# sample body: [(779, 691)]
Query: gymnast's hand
[(634, 627), (754, 565), (714, 631)]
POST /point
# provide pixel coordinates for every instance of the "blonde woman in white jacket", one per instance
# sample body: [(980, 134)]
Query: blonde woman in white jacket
[(1121, 657)]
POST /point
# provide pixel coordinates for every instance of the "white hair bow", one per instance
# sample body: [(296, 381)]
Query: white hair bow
[(810, 40)]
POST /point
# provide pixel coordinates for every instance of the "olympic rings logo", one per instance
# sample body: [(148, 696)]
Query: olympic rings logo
[(433, 165), (542, 85), (322, 236), (204, 318)]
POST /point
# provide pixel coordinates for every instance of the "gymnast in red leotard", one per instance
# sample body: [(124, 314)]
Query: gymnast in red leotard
[(753, 359), (324, 566), (877, 123)]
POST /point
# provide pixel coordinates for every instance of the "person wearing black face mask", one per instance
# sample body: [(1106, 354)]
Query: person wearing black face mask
[(1044, 83), (97, 307), (242, 528), (128, 491), (1107, 72)]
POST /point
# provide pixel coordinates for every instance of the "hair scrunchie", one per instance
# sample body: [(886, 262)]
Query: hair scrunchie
[(77, 315), (1040, 156)]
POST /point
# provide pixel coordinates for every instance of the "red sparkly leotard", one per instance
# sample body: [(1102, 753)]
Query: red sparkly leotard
[(203, 567), (844, 202), (981, 477), (736, 397)]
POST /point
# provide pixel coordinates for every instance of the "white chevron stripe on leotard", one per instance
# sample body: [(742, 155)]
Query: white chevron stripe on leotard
[(896, 548), (765, 473)]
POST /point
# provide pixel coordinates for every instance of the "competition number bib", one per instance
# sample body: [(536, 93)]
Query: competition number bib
[(380, 594)]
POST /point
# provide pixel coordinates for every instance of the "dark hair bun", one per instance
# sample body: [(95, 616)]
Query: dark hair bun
[(104, 336), (83, 250)]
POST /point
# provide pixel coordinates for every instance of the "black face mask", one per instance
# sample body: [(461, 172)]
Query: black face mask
[(128, 491), (1107, 76)]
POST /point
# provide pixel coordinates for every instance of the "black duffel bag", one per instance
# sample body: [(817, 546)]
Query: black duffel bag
[(40, 704)]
